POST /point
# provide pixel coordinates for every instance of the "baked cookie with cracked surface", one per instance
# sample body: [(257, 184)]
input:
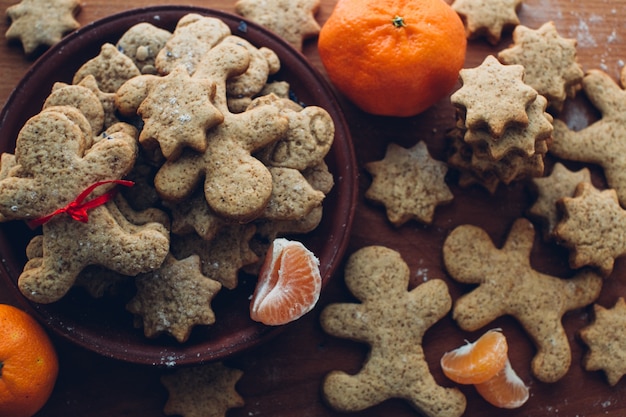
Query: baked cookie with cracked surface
[(409, 183), (41, 23), (549, 61), (488, 18)]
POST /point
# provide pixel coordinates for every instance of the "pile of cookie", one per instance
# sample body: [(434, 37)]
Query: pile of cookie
[(172, 160)]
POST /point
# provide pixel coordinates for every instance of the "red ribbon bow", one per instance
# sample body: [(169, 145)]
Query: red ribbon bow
[(77, 209)]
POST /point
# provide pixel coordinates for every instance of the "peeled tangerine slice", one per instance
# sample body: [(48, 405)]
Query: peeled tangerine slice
[(505, 390), (478, 361), (289, 284), (485, 364)]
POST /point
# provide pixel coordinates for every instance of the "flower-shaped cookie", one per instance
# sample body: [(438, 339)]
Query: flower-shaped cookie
[(507, 284), (604, 141), (57, 167), (392, 320)]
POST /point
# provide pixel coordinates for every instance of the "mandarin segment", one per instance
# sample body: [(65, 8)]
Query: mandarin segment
[(478, 361), (289, 284), (505, 390)]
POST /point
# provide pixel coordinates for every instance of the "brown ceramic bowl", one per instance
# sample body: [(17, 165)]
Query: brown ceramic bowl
[(103, 325)]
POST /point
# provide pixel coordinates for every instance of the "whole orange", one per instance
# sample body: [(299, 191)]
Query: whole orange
[(28, 364), (393, 57)]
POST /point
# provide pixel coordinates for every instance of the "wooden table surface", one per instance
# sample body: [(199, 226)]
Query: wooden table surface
[(282, 378)]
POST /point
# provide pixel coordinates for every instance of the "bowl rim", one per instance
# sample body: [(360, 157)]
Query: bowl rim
[(346, 187)]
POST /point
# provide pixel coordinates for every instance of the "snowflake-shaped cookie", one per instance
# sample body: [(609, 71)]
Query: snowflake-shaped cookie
[(593, 227), (560, 183), (549, 61), (392, 320), (604, 141), (409, 183), (37, 23), (606, 339), (487, 18), (507, 284), (493, 79)]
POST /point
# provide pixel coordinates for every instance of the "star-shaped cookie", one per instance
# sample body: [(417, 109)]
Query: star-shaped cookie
[(294, 20), (515, 139), (174, 298), (493, 79), (41, 23), (508, 285), (549, 61), (409, 183), (606, 339), (604, 141), (593, 227), (560, 183), (392, 320), (207, 390), (487, 18)]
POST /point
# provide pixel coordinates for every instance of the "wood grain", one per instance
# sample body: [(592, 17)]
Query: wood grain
[(282, 378)]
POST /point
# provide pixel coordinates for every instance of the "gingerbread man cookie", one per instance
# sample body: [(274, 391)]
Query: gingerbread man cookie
[(58, 167), (507, 284), (392, 320), (237, 185)]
